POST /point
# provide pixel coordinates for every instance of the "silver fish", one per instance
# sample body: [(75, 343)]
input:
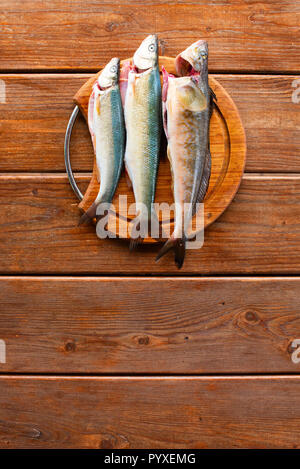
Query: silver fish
[(187, 108), (143, 126), (107, 129)]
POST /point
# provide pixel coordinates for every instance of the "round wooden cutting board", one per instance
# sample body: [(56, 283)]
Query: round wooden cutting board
[(228, 150)]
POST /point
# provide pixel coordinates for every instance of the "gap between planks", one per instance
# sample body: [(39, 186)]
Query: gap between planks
[(125, 276), (173, 377), (87, 74), (148, 276), (89, 275), (53, 175), (83, 71)]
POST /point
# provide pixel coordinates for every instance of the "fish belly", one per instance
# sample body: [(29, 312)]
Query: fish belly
[(187, 152), (142, 115), (109, 138)]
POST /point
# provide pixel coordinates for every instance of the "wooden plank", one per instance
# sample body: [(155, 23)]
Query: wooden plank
[(34, 118), (208, 412), (142, 325), (67, 35), (258, 233), (270, 118), (33, 122)]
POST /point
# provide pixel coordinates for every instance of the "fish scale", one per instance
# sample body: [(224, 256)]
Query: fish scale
[(143, 126), (107, 128), (187, 110)]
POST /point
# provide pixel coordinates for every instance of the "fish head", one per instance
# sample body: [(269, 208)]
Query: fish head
[(193, 60), (146, 56), (110, 74)]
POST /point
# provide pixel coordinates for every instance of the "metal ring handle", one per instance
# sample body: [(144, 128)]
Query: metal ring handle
[(67, 153)]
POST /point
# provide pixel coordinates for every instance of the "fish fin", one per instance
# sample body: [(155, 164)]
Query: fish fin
[(213, 95), (213, 102), (128, 180), (135, 242), (157, 231), (178, 245), (171, 167), (191, 98), (165, 119), (204, 181), (88, 216)]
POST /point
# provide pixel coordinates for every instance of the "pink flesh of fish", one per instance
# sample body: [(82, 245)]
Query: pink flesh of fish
[(123, 80)]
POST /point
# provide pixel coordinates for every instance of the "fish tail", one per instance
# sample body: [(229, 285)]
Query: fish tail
[(145, 224), (136, 241), (178, 245), (88, 216)]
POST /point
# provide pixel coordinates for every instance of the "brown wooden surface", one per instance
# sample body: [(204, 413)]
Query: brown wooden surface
[(55, 34), (228, 150), (149, 325), (259, 232), (34, 119), (202, 412)]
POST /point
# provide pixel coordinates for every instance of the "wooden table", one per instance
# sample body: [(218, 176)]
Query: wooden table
[(105, 348)]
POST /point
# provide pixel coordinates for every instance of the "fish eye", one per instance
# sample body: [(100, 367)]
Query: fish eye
[(113, 69), (151, 48)]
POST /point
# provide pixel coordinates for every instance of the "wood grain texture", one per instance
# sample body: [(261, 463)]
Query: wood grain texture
[(55, 34), (149, 325), (208, 412), (258, 233), (34, 118), (271, 119), (228, 150), (33, 122)]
